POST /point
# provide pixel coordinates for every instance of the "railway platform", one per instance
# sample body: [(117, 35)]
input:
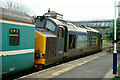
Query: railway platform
[(95, 66)]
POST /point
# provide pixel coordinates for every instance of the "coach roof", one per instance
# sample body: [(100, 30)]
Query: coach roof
[(15, 16)]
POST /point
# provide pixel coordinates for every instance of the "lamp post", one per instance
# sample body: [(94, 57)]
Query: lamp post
[(115, 51)]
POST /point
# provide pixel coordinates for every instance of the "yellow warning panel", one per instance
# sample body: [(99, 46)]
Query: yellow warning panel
[(39, 61), (40, 42)]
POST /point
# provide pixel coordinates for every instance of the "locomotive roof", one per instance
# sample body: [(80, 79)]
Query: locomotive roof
[(56, 21), (70, 26), (15, 16), (93, 30)]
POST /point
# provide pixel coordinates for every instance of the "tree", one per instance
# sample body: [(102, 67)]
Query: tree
[(8, 4), (110, 32)]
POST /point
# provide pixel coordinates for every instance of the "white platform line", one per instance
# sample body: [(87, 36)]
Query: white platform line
[(4, 53)]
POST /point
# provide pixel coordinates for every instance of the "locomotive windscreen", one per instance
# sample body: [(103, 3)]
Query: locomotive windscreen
[(39, 22)]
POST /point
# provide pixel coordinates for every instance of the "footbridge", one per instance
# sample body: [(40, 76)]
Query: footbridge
[(95, 23), (100, 25)]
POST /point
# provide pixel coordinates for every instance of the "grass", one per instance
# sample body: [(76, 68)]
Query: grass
[(118, 70), (106, 42)]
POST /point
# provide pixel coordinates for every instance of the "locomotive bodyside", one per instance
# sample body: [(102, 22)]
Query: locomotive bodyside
[(95, 40), (63, 40)]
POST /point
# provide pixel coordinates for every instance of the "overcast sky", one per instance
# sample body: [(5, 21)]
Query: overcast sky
[(73, 9)]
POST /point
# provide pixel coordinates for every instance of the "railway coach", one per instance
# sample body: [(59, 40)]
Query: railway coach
[(16, 41)]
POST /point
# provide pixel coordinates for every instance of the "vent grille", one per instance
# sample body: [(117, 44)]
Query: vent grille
[(51, 47)]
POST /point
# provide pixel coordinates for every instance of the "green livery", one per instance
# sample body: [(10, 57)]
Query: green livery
[(0, 50), (19, 61), (26, 37), (17, 32)]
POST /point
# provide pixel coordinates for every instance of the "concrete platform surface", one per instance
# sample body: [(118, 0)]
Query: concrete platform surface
[(93, 66)]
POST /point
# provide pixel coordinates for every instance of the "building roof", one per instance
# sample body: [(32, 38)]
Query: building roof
[(53, 12)]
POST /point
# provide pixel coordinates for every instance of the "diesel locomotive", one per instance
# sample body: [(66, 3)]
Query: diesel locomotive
[(42, 41), (57, 40)]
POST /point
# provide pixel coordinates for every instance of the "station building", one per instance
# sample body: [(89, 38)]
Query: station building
[(53, 14)]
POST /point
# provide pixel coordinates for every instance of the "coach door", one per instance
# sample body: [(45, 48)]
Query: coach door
[(60, 41)]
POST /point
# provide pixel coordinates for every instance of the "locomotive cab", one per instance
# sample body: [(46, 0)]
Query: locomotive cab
[(49, 41)]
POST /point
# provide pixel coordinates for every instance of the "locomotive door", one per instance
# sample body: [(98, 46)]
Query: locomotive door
[(65, 38), (60, 40)]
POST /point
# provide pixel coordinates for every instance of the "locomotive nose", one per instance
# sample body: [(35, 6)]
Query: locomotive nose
[(40, 48)]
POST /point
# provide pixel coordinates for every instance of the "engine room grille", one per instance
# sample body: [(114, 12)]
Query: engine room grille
[(51, 47)]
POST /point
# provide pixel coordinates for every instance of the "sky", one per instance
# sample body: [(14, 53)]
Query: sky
[(74, 10)]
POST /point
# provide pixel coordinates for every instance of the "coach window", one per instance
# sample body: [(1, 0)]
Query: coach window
[(14, 37), (60, 34)]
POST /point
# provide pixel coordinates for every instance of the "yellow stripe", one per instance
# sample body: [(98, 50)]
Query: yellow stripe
[(13, 35), (58, 72), (71, 67)]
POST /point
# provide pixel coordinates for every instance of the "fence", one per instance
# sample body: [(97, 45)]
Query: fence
[(110, 47)]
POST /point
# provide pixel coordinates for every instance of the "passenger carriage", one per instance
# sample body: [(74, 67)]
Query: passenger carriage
[(16, 41)]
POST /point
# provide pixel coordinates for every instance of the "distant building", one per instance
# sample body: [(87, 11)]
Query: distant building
[(119, 9), (53, 14)]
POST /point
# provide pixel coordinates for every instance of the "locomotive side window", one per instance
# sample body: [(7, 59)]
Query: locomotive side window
[(60, 32), (72, 41), (50, 26), (14, 37)]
